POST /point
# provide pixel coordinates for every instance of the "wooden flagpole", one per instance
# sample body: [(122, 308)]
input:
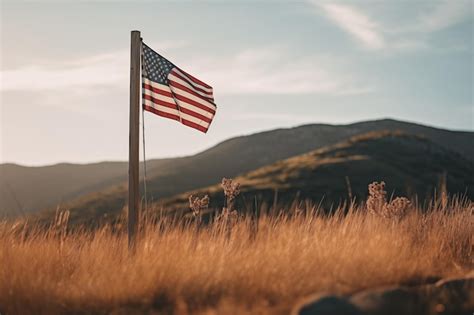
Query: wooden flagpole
[(133, 161)]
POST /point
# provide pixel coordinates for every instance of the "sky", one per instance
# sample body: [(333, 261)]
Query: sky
[(273, 64)]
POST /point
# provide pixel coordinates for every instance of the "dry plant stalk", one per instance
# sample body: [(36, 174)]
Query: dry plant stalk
[(60, 224), (443, 191), (377, 203), (233, 270), (228, 215), (377, 197), (231, 190), (197, 205)]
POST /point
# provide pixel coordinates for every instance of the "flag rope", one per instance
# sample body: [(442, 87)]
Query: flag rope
[(143, 138), (144, 158)]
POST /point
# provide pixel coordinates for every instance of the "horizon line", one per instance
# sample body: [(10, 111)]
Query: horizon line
[(235, 137)]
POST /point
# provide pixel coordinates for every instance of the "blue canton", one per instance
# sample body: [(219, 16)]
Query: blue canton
[(155, 67)]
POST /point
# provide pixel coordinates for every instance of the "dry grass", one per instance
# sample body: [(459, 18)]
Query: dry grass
[(232, 266)]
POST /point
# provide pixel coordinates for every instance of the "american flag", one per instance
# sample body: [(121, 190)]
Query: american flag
[(170, 92)]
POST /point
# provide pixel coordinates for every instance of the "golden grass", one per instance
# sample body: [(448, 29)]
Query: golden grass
[(233, 266)]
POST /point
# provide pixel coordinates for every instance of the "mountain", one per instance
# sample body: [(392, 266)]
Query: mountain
[(23, 189), (410, 164), (102, 186)]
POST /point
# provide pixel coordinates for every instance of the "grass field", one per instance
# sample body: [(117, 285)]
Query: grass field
[(234, 265)]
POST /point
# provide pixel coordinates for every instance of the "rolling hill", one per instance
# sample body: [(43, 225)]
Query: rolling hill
[(410, 164), (23, 189), (102, 186)]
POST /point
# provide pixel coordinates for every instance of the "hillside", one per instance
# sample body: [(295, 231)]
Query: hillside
[(77, 185), (410, 164), (23, 189)]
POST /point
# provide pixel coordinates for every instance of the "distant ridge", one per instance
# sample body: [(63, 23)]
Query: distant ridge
[(100, 187), (410, 164)]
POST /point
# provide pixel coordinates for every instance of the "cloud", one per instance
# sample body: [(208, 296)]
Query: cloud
[(356, 23), (271, 70), (102, 70), (410, 33), (444, 14), (275, 70)]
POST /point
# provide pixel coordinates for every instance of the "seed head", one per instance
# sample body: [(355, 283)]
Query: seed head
[(377, 203), (197, 204), (377, 197), (396, 209), (231, 189)]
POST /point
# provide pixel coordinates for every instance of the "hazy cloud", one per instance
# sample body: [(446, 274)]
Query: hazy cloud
[(408, 35), (356, 23), (445, 14), (275, 71), (259, 70), (107, 69)]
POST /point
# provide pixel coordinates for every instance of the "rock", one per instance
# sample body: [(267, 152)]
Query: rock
[(388, 301), (445, 297), (449, 297), (462, 287), (326, 305)]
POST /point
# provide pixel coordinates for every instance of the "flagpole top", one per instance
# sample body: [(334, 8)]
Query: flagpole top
[(136, 36)]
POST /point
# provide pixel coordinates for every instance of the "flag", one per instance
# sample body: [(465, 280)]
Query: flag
[(170, 92)]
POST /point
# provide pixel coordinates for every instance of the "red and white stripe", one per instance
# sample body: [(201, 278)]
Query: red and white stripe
[(186, 99)]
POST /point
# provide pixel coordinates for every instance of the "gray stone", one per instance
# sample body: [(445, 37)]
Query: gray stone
[(450, 296), (326, 305), (456, 285), (388, 301), (445, 297)]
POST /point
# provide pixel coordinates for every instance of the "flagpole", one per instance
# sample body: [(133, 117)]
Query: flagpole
[(134, 134)]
